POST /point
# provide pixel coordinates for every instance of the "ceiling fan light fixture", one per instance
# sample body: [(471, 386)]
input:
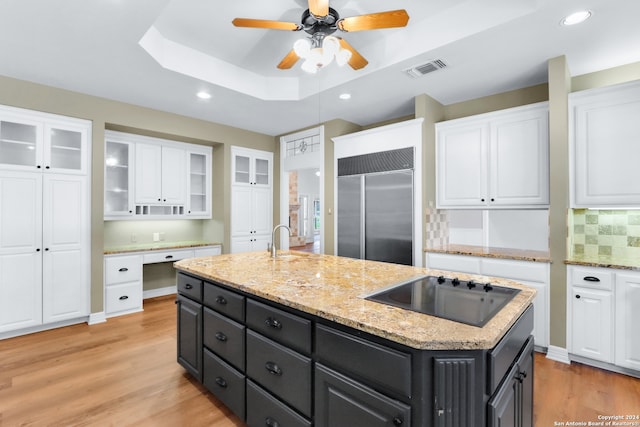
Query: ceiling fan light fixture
[(302, 47), (309, 67), (342, 57)]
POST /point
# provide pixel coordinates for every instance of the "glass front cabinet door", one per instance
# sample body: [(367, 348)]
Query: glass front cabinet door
[(118, 197), (199, 185), (33, 141)]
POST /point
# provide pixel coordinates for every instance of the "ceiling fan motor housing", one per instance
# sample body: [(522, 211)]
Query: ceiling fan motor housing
[(320, 24)]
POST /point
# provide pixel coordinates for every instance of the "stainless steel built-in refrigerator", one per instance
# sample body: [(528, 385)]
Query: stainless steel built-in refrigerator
[(375, 206)]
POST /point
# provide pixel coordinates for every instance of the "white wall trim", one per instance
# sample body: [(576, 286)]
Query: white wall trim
[(44, 327), (95, 318), (558, 354), (159, 292)]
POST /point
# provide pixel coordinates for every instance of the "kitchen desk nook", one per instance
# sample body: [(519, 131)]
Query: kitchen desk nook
[(293, 341)]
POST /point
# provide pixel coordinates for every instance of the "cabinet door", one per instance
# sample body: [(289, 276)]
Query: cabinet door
[(66, 248), (190, 336), (341, 401), (503, 407), (461, 165), (519, 160), (174, 168), (241, 173), (65, 148), (591, 324), (261, 211), (241, 211), (605, 147), (21, 143), (199, 185), (627, 320), (261, 171), (20, 250), (118, 179), (148, 173)]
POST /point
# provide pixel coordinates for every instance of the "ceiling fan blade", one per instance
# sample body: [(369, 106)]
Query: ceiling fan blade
[(319, 8), (375, 21), (264, 23), (289, 60), (356, 61)]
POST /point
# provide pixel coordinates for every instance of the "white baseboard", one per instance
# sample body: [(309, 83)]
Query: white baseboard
[(44, 327), (95, 318), (558, 354), (160, 292)]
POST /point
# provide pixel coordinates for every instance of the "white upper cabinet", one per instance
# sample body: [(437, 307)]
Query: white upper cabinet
[(494, 160), (251, 167), (605, 144), (38, 141), (151, 178)]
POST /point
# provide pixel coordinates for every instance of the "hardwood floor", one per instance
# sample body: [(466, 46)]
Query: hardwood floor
[(124, 373)]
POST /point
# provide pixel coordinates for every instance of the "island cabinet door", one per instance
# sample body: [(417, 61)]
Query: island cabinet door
[(341, 401), (190, 336)]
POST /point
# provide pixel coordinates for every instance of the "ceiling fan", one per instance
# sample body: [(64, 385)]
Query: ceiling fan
[(321, 21)]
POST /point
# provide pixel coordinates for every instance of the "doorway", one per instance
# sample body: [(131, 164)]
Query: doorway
[(302, 189)]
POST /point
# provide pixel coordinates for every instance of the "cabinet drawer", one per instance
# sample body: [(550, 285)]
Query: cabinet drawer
[(124, 297), (190, 287), (225, 337), (503, 355), (224, 382), (207, 251), (594, 278), (224, 301), (457, 263), (528, 271), (265, 410), (280, 370), (374, 363), (167, 256), (122, 269), (286, 328)]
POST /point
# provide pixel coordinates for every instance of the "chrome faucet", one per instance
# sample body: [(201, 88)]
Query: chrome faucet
[(272, 247)]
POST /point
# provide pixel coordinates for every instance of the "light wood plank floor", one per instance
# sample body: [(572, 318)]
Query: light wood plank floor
[(124, 373)]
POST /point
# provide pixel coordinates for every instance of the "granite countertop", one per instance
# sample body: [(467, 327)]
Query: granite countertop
[(605, 261), (332, 288), (156, 246), (493, 252)]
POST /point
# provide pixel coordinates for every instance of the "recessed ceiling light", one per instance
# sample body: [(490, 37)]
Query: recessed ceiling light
[(345, 96), (576, 18), (203, 95)]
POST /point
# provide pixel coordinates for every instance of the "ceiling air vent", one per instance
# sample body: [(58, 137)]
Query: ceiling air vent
[(428, 67)]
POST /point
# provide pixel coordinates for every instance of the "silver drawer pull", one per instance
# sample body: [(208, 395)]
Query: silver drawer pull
[(220, 300), (123, 297), (188, 286), (273, 368), (123, 269), (273, 323), (220, 336)]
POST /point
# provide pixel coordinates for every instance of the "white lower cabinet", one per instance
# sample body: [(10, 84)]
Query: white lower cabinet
[(123, 278), (627, 319), (530, 273), (603, 315)]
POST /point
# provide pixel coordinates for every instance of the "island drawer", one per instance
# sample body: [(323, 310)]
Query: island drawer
[(224, 301), (502, 356), (225, 337), (286, 328), (265, 410), (190, 287), (280, 370), (225, 382), (385, 367)]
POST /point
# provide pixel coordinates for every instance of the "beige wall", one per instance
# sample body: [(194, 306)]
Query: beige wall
[(107, 114)]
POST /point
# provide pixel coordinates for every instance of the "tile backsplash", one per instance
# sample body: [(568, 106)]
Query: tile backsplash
[(614, 233)]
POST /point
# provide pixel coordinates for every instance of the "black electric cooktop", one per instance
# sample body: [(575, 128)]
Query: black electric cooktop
[(469, 302)]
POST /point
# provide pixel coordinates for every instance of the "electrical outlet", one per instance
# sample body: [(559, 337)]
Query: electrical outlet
[(156, 237), (134, 238), (162, 236)]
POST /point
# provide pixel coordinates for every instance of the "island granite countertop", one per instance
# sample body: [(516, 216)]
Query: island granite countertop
[(333, 287)]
